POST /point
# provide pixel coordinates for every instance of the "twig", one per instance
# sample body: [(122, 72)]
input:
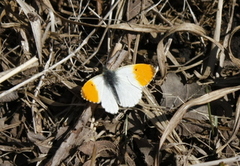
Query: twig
[(19, 69), (226, 39), (214, 49), (37, 123), (218, 162)]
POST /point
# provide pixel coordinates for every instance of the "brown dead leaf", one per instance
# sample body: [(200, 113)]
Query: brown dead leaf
[(129, 160), (43, 143), (112, 126), (133, 9), (103, 148), (4, 126), (145, 148), (175, 93)]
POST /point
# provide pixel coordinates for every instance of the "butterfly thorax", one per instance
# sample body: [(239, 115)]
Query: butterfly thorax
[(111, 80)]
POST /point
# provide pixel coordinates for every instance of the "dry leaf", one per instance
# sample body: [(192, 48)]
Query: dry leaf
[(103, 148)]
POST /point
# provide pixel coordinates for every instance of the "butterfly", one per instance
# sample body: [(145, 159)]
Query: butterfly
[(118, 87)]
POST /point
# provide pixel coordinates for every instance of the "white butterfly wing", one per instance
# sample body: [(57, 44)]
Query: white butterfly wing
[(96, 91), (128, 89), (108, 100)]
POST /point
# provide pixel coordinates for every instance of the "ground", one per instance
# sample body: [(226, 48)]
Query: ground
[(188, 114)]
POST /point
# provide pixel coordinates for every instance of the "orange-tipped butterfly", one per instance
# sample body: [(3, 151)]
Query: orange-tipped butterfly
[(120, 87)]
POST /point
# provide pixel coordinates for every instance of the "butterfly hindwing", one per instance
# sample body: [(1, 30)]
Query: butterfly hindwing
[(109, 102)]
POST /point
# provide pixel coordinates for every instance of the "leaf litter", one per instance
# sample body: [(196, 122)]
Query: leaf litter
[(189, 114)]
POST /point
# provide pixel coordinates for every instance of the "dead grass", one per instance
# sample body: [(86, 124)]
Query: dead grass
[(189, 114)]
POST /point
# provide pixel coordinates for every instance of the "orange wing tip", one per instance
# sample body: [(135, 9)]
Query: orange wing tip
[(90, 93), (144, 73)]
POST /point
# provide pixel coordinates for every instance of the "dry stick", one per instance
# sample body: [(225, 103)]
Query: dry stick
[(19, 69), (35, 25), (217, 31), (136, 45), (226, 39), (218, 162), (120, 12), (160, 11), (215, 50), (108, 36), (172, 58), (192, 13), (194, 18), (37, 123)]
